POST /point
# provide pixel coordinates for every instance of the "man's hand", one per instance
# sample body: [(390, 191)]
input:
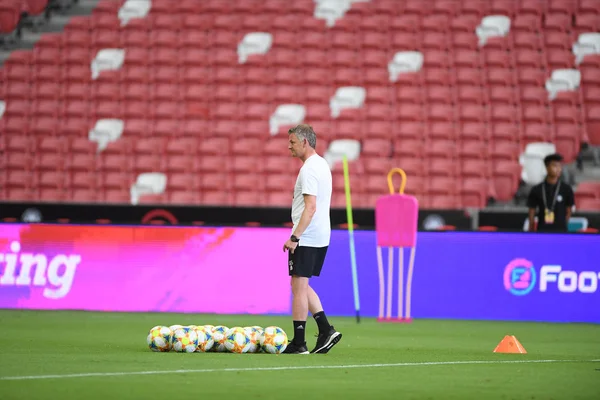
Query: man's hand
[(289, 245)]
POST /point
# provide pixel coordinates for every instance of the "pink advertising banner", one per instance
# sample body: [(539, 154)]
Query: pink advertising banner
[(226, 270), (107, 268)]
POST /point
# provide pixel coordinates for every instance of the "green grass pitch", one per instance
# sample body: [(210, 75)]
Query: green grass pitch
[(428, 359)]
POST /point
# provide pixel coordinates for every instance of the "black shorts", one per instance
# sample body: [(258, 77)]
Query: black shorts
[(306, 261)]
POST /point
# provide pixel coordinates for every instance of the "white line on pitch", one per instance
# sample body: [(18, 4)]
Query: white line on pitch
[(285, 368)]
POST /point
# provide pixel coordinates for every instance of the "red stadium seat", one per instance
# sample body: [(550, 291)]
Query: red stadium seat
[(191, 108)]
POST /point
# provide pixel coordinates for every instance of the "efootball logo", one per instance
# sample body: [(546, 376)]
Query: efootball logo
[(519, 277)]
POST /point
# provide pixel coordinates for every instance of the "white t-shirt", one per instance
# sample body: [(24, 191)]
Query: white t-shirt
[(314, 178)]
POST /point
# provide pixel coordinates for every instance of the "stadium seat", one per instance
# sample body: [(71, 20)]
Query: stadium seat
[(587, 204), (193, 100)]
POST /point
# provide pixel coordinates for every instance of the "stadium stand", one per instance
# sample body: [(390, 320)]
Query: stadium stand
[(203, 92)]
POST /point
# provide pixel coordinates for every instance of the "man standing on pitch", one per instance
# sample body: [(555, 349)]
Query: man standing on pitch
[(551, 200), (309, 241)]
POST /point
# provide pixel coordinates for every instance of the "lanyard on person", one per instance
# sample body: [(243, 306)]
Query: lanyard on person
[(555, 196), (549, 212)]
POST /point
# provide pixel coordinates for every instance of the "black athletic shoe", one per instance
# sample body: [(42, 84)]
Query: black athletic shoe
[(293, 348), (326, 341)]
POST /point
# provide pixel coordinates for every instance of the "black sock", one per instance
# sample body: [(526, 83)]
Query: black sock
[(299, 337), (322, 322)]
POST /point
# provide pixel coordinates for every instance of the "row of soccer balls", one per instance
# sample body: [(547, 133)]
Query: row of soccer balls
[(209, 338)]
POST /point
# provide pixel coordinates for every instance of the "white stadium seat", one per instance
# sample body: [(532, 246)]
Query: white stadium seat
[(107, 60), (587, 43), (254, 43), (405, 62), (339, 148), (347, 97), (286, 114), (148, 183), (532, 161), (562, 80), (492, 26), (134, 9), (106, 131), (331, 10)]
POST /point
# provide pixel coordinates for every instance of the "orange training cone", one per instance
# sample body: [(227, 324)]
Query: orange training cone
[(510, 344)]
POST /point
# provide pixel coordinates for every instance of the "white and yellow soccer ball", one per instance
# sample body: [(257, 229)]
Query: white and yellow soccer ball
[(257, 328), (254, 335), (219, 336), (237, 340), (259, 332), (185, 340), (205, 339), (273, 340), (159, 338)]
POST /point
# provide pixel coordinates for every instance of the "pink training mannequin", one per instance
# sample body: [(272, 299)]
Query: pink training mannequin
[(396, 217)]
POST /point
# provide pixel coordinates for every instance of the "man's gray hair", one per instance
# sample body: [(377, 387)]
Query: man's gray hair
[(305, 131)]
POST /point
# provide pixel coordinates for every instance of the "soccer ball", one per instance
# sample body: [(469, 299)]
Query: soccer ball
[(219, 336), (205, 339), (159, 338), (257, 328), (185, 340), (237, 340), (254, 336), (259, 333), (273, 340)]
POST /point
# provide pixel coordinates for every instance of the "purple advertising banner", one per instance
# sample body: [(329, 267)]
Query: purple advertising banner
[(476, 275), (470, 275)]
